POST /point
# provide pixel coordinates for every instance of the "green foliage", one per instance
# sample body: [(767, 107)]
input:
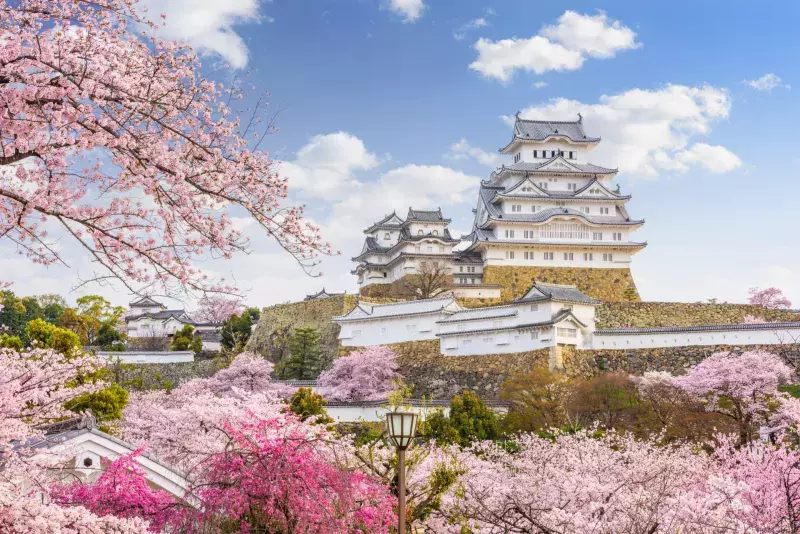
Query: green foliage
[(236, 330), (53, 312), (400, 395), (305, 361), (791, 389), (95, 311), (469, 420), (49, 336), (13, 314), (185, 339), (308, 404), (106, 404), (74, 322), (11, 342), (109, 338)]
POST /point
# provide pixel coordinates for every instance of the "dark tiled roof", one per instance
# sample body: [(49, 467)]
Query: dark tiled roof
[(145, 302), (580, 168), (564, 195), (324, 294), (159, 315), (561, 293), (468, 258), (476, 314), (557, 318), (384, 223), (695, 329), (397, 309), (531, 130), (426, 215)]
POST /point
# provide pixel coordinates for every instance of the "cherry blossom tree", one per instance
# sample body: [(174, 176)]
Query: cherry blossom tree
[(743, 387), (364, 375), (217, 309), (771, 298), (585, 483), (111, 137), (122, 491)]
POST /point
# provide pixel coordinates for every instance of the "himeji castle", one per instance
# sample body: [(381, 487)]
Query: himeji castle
[(548, 214)]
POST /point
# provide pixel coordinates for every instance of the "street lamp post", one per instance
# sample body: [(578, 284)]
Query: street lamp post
[(401, 426)]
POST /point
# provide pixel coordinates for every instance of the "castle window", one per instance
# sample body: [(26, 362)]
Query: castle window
[(571, 154), (597, 236), (543, 185), (608, 257), (533, 209), (617, 236), (567, 332), (516, 158), (561, 153), (548, 255), (386, 235), (572, 187), (587, 256), (603, 211), (436, 232), (534, 308), (509, 254), (497, 324), (385, 275), (510, 233), (461, 268), (585, 209), (383, 331), (419, 232), (429, 249), (568, 256), (534, 334)]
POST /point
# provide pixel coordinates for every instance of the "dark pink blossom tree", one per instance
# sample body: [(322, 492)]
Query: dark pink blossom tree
[(771, 298), (367, 374), (109, 135)]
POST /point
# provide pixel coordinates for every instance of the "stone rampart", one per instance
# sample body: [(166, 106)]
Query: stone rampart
[(610, 285), (656, 314)]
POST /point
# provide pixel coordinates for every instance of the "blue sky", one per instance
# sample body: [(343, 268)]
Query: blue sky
[(386, 103)]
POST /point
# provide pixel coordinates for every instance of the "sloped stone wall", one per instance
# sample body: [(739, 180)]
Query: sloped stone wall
[(603, 284), (432, 374), (654, 314), (270, 337)]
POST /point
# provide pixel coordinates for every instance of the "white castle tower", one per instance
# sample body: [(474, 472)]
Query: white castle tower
[(551, 207)]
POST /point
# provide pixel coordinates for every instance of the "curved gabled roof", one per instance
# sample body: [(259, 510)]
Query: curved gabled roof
[(391, 221), (533, 130), (426, 215)]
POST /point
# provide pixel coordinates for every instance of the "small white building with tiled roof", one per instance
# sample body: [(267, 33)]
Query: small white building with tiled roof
[(148, 318), (545, 316), (551, 207), (396, 247)]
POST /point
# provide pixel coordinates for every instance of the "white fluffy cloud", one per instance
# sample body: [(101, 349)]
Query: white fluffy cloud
[(767, 83), (325, 166), (564, 46), (539, 85), (208, 25), (463, 150), (474, 24), (410, 10), (646, 132)]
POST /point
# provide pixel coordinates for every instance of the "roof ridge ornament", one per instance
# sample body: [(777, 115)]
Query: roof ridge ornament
[(88, 420)]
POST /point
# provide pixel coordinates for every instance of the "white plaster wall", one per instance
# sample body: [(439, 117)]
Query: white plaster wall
[(496, 255), (503, 342), (730, 337), (350, 414), (426, 228), (468, 292), (389, 330), (149, 356)]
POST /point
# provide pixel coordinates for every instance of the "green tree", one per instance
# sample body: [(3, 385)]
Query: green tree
[(236, 330), (33, 310), (109, 338), (52, 305), (11, 342), (185, 339), (106, 404), (307, 404), (50, 336), (305, 361), (12, 314), (469, 420), (95, 312), (75, 322)]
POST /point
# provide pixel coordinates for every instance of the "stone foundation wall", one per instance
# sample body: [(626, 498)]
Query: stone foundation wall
[(672, 360), (162, 375), (270, 337), (401, 289), (441, 377), (654, 314), (603, 284)]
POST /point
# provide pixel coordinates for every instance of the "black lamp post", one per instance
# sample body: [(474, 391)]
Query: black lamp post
[(401, 426)]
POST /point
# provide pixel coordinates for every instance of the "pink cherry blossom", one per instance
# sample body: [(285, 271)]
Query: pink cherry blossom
[(111, 137), (366, 374), (217, 309), (770, 298)]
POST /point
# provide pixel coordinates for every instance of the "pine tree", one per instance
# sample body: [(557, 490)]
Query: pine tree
[(305, 361)]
